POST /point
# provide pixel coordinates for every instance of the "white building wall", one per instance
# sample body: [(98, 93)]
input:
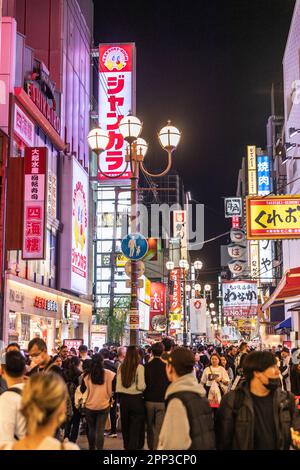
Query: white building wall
[(291, 77)]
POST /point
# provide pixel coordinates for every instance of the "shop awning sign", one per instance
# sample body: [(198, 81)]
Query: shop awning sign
[(273, 217)]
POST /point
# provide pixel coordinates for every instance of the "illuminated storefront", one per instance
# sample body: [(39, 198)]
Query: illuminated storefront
[(36, 311)]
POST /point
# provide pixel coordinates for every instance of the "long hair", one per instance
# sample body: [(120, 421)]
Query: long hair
[(42, 396), (129, 366), (96, 370)]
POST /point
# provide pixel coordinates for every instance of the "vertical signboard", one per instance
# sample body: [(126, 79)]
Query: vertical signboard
[(79, 262), (157, 307), (35, 173), (252, 190), (116, 99), (175, 300), (265, 246), (180, 228), (23, 126), (198, 316)]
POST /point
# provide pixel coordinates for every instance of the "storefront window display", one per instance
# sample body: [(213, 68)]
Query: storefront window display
[(24, 327)]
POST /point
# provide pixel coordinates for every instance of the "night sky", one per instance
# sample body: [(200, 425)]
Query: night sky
[(208, 66)]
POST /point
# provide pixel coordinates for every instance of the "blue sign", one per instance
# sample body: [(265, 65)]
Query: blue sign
[(134, 246), (263, 175)]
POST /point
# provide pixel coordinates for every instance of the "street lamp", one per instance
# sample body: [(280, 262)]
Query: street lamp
[(198, 287), (169, 136), (170, 265), (198, 265)]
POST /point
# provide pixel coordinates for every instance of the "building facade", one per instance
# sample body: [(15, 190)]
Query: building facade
[(47, 103)]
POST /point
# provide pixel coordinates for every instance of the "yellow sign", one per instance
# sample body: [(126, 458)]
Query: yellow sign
[(247, 325), (251, 153), (273, 217), (121, 260)]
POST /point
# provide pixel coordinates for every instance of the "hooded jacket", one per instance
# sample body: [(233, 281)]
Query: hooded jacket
[(235, 419), (182, 420)]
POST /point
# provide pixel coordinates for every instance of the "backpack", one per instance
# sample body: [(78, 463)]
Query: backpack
[(19, 392)]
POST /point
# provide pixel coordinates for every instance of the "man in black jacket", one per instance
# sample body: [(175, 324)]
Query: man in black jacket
[(258, 415), (156, 385), (37, 350), (110, 365)]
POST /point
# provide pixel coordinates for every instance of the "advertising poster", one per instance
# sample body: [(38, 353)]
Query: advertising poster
[(158, 321), (240, 298)]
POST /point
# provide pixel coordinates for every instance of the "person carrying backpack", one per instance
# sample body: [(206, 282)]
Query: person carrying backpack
[(188, 421), (12, 422), (258, 415)]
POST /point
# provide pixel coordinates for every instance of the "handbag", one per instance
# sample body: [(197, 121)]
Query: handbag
[(80, 399)]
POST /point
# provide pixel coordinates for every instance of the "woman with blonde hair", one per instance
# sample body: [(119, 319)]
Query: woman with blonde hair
[(44, 408)]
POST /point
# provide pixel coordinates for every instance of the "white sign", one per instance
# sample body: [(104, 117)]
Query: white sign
[(180, 228), (237, 266), (233, 207), (116, 80), (23, 127), (237, 235), (236, 251), (79, 271), (265, 261), (239, 298), (198, 316)]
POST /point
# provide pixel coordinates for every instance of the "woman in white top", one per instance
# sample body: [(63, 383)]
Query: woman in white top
[(44, 408), (130, 387), (215, 373)]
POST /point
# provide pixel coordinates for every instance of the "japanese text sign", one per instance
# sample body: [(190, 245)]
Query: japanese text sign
[(251, 158), (157, 306), (180, 229), (79, 229), (116, 99), (35, 171), (239, 298), (175, 299), (73, 343), (263, 175), (233, 207), (23, 126), (274, 217)]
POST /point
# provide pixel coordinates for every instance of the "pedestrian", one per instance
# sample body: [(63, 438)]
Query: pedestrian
[(12, 423), (231, 355), (98, 382), (44, 409), (37, 350), (285, 368), (257, 415), (130, 387), (240, 357), (188, 422), (72, 375), (63, 354), (84, 357), (121, 353), (109, 364), (215, 377), (204, 357), (13, 347), (57, 360), (295, 379), (224, 363), (156, 385)]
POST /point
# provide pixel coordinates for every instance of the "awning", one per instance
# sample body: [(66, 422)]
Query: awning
[(288, 288), (287, 323)]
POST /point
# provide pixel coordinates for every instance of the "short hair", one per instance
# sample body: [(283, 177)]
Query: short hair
[(286, 350), (168, 344), (157, 349), (13, 345), (64, 347), (39, 342), (183, 361), (242, 345), (15, 364), (83, 348), (104, 353), (257, 361)]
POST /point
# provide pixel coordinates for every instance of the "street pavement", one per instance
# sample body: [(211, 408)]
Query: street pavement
[(109, 443)]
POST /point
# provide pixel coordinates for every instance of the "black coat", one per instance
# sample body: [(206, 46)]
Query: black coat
[(295, 381), (235, 431), (156, 381)]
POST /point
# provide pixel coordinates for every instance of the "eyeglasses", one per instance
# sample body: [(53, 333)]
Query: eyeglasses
[(36, 354)]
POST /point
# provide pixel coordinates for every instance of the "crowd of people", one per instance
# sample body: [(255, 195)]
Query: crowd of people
[(173, 398)]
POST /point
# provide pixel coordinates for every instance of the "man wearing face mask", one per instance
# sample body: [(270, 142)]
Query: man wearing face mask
[(259, 414), (37, 350)]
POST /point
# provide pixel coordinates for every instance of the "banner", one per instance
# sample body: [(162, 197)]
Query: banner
[(198, 316), (273, 217), (233, 207), (180, 228), (34, 226), (239, 298), (116, 99), (79, 229), (158, 321), (175, 300)]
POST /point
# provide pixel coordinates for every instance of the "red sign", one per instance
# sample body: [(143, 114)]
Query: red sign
[(157, 307), (235, 222), (35, 171), (175, 298), (42, 104), (72, 310), (73, 343), (116, 80), (50, 305)]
